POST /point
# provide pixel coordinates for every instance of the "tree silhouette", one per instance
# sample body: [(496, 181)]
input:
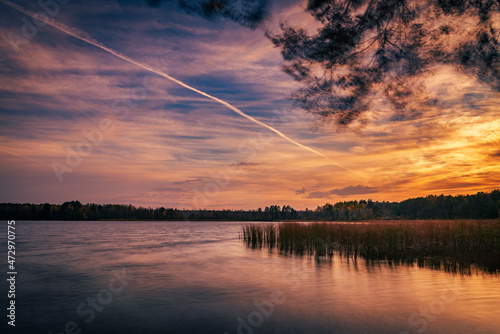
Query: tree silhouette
[(379, 50), (478, 206)]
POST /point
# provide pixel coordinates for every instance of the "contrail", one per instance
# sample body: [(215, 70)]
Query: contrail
[(2, 149), (82, 36)]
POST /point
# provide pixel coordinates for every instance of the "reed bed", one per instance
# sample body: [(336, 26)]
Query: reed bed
[(456, 246)]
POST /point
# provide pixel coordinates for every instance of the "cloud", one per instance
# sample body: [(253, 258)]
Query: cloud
[(495, 154), (172, 142), (354, 190), (346, 191), (248, 13), (301, 191), (319, 194), (179, 186), (244, 165)]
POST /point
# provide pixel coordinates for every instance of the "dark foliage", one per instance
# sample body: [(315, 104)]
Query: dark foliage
[(479, 206), (369, 50), (458, 246)]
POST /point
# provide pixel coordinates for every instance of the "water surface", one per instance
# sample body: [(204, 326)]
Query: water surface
[(197, 277)]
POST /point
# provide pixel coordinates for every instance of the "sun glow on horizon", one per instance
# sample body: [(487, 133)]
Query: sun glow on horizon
[(174, 145)]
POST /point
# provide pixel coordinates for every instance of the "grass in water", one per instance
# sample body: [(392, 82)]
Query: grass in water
[(456, 246)]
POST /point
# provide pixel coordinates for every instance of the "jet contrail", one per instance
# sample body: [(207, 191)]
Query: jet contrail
[(2, 149), (84, 37)]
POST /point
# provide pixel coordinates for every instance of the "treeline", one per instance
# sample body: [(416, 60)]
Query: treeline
[(479, 206)]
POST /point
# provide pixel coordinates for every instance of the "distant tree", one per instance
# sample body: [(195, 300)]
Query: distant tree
[(275, 212), (478, 206), (368, 49), (46, 211)]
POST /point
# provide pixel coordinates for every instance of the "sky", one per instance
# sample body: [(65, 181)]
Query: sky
[(78, 123)]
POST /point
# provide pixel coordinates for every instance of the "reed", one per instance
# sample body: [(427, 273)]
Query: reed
[(456, 246)]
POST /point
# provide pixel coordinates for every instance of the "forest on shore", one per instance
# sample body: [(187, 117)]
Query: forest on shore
[(479, 206)]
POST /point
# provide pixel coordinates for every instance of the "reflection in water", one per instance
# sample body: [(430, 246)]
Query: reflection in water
[(463, 246), (197, 277)]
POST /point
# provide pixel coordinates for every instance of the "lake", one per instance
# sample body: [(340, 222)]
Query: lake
[(198, 277)]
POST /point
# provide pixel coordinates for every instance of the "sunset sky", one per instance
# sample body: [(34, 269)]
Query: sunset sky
[(164, 145)]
